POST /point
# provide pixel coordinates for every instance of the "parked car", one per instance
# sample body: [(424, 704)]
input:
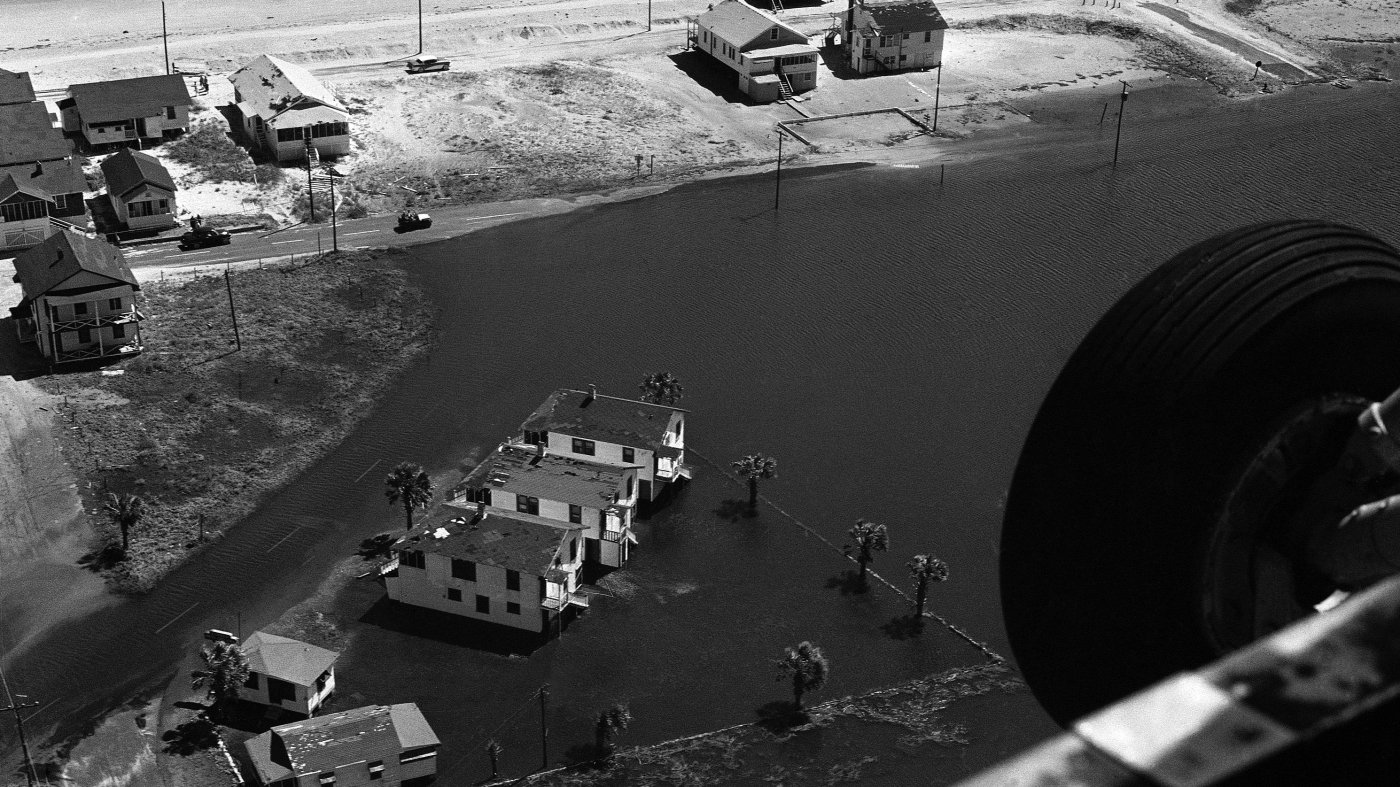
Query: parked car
[(202, 237), (414, 221), (422, 65)]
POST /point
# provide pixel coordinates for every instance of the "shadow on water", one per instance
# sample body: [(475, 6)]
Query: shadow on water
[(849, 583), (781, 716), (193, 736), (903, 627), (452, 629), (734, 510)]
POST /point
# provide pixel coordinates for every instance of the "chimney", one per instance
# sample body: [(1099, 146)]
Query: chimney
[(540, 450), (481, 509), (592, 392), (38, 169)]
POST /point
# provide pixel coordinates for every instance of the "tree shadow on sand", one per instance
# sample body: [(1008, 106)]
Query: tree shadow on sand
[(903, 627), (848, 582), (195, 735), (780, 716), (102, 559), (734, 510)]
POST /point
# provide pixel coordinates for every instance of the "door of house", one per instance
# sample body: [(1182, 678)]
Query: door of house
[(592, 550), (141, 128)]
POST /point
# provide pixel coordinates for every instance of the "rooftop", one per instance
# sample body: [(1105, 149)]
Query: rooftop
[(902, 15), (9, 186), (121, 99), (287, 659), (64, 254), (27, 134), (505, 539), (128, 169), (521, 470), (608, 419), (271, 85), (739, 23), (15, 87), (373, 732), (64, 176)]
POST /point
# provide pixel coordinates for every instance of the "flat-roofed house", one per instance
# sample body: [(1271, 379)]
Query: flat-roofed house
[(575, 489), (41, 185), (287, 673), (490, 564), (140, 189), (79, 299), (380, 745), (139, 110), (281, 106), (613, 430), (773, 60), (892, 35)]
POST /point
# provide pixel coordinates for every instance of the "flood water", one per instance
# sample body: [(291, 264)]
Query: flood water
[(887, 339)]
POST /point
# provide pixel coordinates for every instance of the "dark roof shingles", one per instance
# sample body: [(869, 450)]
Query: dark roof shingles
[(128, 169), (607, 418), (64, 254), (519, 469), (908, 15), (122, 99), (64, 176), (27, 134), (505, 539), (15, 87)]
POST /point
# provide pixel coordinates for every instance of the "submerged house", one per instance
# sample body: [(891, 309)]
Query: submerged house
[(490, 564), (140, 110), (616, 431), (281, 106), (773, 60), (79, 299), (140, 189), (388, 745), (893, 35), (287, 673), (530, 479)]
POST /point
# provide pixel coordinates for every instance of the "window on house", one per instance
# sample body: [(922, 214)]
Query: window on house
[(118, 331), (629, 486), (884, 40), (527, 505), (115, 304), (906, 36), (903, 58), (79, 308), (512, 580), (84, 335), (280, 691), (512, 608), (586, 447), (629, 455), (252, 681), (170, 113), (376, 770), (454, 594), (464, 569), (483, 605), (575, 514), (60, 201), (928, 36), (413, 559), (573, 549), (537, 438), (889, 61), (327, 778), (773, 34), (866, 43)]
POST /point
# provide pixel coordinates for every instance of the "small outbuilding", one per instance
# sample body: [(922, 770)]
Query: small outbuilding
[(288, 674), (140, 189), (773, 60)]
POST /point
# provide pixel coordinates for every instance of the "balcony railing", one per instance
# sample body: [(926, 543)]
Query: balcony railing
[(98, 351), (559, 602), (98, 321), (612, 535)]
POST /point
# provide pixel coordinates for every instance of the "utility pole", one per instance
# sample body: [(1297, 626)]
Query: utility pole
[(29, 775), (228, 283), (648, 16), (163, 38), (544, 728), (937, 90), (335, 242), (420, 27), (1123, 102), (778, 183)]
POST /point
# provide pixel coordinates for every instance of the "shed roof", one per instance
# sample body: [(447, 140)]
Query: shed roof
[(521, 470), (506, 539), (287, 659), (270, 85), (610, 419), (739, 23), (127, 170), (27, 134), (15, 87), (372, 732), (120, 99), (905, 15), (64, 254), (64, 176)]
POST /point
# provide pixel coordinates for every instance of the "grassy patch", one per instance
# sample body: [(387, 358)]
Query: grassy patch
[(208, 149), (1243, 7), (204, 433)]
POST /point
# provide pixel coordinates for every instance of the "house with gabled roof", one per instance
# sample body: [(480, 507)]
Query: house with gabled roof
[(140, 189), (140, 110), (281, 107), (41, 185), (490, 564), (532, 480), (613, 430), (15, 87), (773, 60), (893, 35), (288, 674), (388, 745), (79, 299)]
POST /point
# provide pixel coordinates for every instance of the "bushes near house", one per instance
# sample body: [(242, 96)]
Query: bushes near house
[(208, 149)]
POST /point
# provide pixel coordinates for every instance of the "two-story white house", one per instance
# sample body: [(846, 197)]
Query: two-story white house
[(773, 60), (490, 564), (893, 35), (612, 430), (140, 189), (79, 299), (281, 105), (287, 673), (372, 746), (141, 110), (530, 479)]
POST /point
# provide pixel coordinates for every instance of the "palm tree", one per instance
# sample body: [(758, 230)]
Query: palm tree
[(924, 569), (807, 666), (408, 484), (126, 511), (225, 671), (493, 750), (869, 538), (754, 467), (661, 388), (610, 723)]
